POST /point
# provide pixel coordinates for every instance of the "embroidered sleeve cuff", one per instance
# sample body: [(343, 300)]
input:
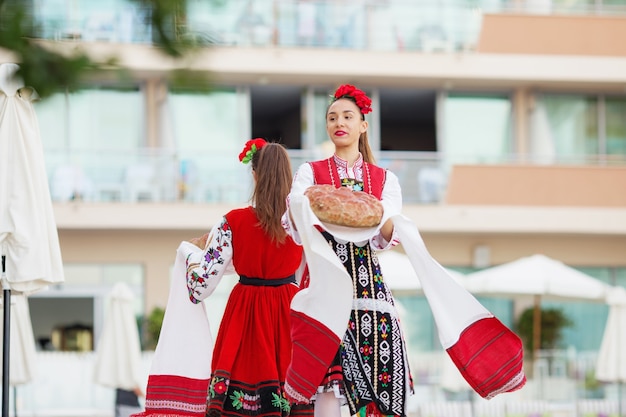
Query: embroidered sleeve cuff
[(378, 242)]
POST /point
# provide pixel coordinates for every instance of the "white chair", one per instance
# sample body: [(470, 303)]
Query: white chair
[(69, 182), (597, 408), (446, 409), (489, 408), (527, 408), (141, 183), (430, 184)]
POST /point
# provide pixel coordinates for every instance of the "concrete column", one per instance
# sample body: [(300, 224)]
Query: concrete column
[(522, 108), (155, 93)]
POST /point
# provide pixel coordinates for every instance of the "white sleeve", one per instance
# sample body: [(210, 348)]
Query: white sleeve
[(301, 181), (392, 205), (205, 268)]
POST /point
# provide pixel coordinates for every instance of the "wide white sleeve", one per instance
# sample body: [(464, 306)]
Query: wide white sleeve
[(205, 268), (301, 181), (392, 205)]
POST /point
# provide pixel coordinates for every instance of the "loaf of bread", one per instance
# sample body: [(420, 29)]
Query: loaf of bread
[(344, 207)]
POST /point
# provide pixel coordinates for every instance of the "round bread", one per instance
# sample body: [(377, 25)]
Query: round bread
[(344, 207)]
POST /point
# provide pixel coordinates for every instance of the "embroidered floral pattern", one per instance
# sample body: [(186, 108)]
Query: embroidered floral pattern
[(383, 328), (384, 377), (234, 398), (366, 350), (352, 183), (280, 402), (211, 264), (241, 400), (218, 386), (350, 177), (373, 359)]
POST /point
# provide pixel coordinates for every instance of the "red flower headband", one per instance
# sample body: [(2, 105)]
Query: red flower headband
[(362, 100), (251, 147)]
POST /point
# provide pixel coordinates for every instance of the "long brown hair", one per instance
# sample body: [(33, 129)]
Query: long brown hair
[(273, 183), (364, 143)]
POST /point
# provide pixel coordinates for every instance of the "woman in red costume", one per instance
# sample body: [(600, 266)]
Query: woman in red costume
[(253, 346), (370, 369)]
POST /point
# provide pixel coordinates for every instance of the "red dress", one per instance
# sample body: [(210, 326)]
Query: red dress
[(253, 345)]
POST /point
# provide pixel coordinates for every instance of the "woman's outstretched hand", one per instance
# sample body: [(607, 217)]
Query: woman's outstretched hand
[(200, 241), (387, 230)]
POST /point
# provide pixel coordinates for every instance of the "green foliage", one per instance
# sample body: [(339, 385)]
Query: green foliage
[(168, 18), (591, 383), (553, 321), (48, 69), (152, 328), (43, 69)]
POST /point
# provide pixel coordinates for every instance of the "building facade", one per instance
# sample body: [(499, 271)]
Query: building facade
[(504, 120)]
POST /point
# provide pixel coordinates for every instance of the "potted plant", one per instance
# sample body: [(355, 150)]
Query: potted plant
[(553, 321)]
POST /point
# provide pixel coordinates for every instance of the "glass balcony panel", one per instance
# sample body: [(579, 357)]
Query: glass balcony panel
[(616, 126), (476, 129), (565, 128)]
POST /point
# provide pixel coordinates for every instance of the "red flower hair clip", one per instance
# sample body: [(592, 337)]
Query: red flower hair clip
[(361, 99), (251, 147)]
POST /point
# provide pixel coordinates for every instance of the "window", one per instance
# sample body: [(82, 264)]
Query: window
[(578, 128), (475, 129), (615, 112), (564, 128), (96, 133), (276, 114), (208, 130), (79, 304), (407, 120)]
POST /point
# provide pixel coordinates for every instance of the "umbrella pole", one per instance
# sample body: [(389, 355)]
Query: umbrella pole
[(536, 331), (5, 339), (620, 411)]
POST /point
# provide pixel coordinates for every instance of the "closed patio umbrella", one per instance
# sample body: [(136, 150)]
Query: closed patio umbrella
[(29, 244), (22, 348), (118, 354)]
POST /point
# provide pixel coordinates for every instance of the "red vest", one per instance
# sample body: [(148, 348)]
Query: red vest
[(373, 176)]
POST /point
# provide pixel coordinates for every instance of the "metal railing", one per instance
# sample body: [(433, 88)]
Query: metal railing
[(160, 175), (80, 396), (429, 26), (165, 176)]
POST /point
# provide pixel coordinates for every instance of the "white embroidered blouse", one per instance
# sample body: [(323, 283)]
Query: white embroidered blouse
[(391, 196)]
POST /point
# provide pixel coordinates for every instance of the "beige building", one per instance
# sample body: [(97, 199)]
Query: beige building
[(505, 122)]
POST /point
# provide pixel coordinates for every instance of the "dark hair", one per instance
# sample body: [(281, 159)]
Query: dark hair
[(273, 183), (364, 144)]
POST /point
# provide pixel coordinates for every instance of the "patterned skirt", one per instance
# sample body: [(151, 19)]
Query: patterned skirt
[(375, 377), (251, 355)]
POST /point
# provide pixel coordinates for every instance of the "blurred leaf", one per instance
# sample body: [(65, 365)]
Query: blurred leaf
[(44, 70), (152, 329), (169, 22), (48, 70), (184, 79)]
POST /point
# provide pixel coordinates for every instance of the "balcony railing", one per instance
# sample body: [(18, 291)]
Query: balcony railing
[(565, 394), (428, 26), (160, 175), (164, 176)]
